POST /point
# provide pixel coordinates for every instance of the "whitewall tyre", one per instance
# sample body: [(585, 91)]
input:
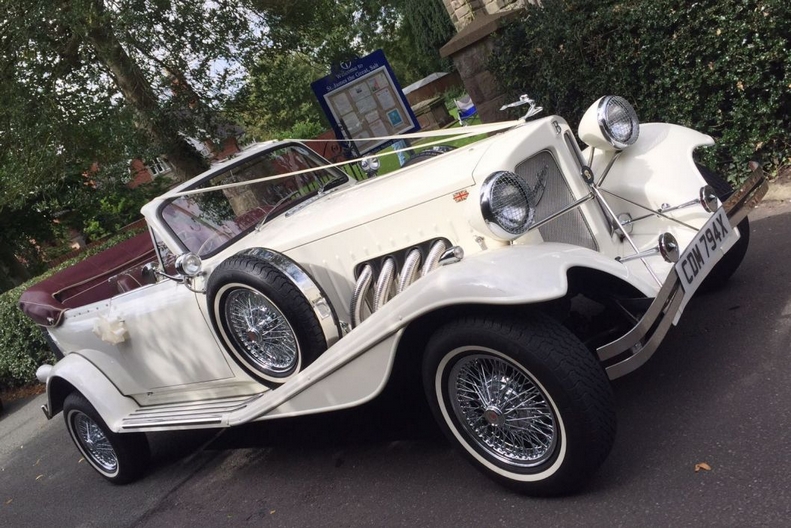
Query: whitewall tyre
[(265, 322), (120, 458), (524, 401)]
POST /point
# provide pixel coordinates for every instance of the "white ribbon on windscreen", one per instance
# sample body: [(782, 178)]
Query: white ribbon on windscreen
[(459, 133)]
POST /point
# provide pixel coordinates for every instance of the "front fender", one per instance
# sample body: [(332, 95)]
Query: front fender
[(511, 275), (514, 275), (75, 372), (658, 169)]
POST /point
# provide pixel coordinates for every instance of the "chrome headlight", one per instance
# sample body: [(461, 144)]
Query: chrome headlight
[(505, 205), (611, 122)]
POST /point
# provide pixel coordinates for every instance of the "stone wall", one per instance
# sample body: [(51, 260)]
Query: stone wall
[(463, 12), (470, 50)]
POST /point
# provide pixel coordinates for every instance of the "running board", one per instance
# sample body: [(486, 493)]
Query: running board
[(186, 415)]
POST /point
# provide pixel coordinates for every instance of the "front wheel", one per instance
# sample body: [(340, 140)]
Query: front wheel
[(525, 401), (120, 458), (730, 262)]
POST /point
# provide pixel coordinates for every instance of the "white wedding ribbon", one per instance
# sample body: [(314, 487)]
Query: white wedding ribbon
[(460, 133)]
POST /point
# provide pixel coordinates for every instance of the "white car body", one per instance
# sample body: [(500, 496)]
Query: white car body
[(171, 370)]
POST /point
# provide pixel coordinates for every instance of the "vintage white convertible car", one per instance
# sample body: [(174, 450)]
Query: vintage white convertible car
[(519, 274)]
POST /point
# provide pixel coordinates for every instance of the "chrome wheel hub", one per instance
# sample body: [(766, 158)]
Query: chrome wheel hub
[(494, 416), (262, 331), (502, 409), (95, 443)]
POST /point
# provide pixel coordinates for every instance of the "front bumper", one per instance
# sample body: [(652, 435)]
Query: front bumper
[(638, 345)]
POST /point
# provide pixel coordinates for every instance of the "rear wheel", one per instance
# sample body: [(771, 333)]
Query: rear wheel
[(731, 261), (524, 401), (120, 458)]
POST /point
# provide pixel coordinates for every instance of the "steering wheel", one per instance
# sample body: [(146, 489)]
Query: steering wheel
[(213, 242)]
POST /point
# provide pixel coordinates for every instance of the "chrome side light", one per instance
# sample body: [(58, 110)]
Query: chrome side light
[(708, 199), (610, 123), (370, 165), (505, 205), (188, 265), (625, 223), (668, 247)]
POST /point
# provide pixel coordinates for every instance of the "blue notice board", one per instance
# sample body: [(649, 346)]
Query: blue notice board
[(364, 100)]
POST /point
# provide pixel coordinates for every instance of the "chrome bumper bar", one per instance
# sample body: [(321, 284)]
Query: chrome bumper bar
[(639, 344)]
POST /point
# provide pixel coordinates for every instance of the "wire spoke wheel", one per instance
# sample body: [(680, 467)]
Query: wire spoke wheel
[(95, 443), (262, 331), (265, 316), (501, 408), (120, 458), (521, 398)]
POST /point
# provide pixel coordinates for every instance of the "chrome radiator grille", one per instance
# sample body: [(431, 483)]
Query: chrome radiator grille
[(552, 193)]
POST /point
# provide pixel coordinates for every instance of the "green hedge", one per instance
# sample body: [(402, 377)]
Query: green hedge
[(720, 66), (22, 345)]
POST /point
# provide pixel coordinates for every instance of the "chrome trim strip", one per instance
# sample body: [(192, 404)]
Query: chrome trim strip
[(571, 144), (322, 307), (361, 288), (633, 336), (746, 197), (644, 353), (186, 414)]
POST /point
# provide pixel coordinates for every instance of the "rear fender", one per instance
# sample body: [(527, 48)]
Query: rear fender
[(75, 372)]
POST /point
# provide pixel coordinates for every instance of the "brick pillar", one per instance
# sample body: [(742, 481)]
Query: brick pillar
[(463, 12), (476, 21)]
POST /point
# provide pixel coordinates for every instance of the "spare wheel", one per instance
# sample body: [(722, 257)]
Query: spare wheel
[(260, 308)]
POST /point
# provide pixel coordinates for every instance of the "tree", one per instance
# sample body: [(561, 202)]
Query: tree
[(277, 98), (106, 81), (308, 38), (165, 64), (428, 26)]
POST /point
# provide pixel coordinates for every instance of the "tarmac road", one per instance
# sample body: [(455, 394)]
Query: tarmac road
[(717, 391)]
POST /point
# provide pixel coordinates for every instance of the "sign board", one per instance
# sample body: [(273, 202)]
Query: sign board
[(364, 100)]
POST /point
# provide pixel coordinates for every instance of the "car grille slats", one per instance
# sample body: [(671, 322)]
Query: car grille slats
[(551, 193)]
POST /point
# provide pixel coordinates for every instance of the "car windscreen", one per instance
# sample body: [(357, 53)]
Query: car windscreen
[(207, 222)]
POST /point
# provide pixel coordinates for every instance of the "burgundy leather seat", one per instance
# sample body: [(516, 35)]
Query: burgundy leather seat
[(88, 281)]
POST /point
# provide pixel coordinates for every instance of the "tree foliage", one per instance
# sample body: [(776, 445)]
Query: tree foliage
[(96, 83), (307, 38), (277, 98), (719, 66), (105, 81)]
